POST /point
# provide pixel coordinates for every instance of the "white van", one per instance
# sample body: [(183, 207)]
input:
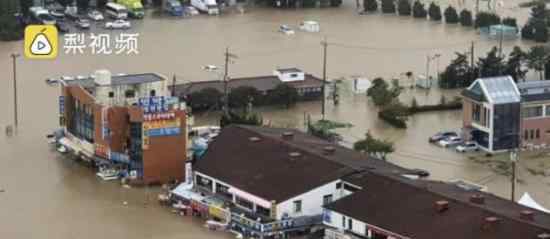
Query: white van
[(208, 6), (116, 11)]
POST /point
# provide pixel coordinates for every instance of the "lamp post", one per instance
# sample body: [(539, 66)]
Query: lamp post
[(14, 57)]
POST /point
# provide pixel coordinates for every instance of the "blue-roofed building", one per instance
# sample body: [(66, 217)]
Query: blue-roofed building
[(500, 114)]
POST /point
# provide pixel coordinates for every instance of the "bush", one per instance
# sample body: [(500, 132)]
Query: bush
[(486, 19), (244, 117), (309, 3), (283, 94), (451, 16), (370, 5), (466, 18), (335, 3), (510, 21), (418, 10), (242, 96), (388, 6), (435, 12), (404, 8), (204, 99)]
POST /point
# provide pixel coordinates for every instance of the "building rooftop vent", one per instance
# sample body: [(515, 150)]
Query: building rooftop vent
[(102, 77), (294, 155), (544, 236), (441, 206), (527, 215), (254, 139), (288, 135), (490, 222), (477, 199), (328, 150)]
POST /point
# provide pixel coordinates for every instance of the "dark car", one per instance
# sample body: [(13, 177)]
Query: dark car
[(83, 23), (442, 135), (420, 172), (62, 26)]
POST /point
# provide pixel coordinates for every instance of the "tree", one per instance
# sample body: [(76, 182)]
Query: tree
[(374, 147), (244, 117), (435, 12), (466, 18), (205, 99), (370, 5), (324, 129), (540, 31), (510, 21), (515, 63), (388, 6), (242, 96), (486, 19), (536, 59), (10, 29), (404, 8), (283, 94), (395, 114), (450, 15), (458, 74), (418, 10), (381, 94), (491, 65), (25, 5)]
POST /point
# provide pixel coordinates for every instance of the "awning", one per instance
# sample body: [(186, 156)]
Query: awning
[(258, 201), (528, 201), (70, 145), (184, 190)]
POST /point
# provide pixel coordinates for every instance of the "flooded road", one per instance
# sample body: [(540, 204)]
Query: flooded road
[(46, 196)]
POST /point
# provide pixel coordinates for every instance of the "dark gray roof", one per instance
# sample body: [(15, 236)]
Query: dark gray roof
[(120, 80), (534, 90)]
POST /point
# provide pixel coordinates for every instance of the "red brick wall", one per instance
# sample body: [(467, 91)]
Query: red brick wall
[(542, 124)]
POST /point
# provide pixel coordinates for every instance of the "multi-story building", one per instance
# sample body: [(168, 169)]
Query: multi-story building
[(500, 114), (128, 120)]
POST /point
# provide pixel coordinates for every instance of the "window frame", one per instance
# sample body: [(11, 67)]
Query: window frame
[(297, 206)]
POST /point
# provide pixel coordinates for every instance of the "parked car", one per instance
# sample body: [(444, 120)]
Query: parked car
[(95, 15), (118, 24), (286, 30), (83, 23), (62, 26), (442, 135), (191, 11), (71, 12), (420, 172), (57, 14), (467, 147), (450, 141)]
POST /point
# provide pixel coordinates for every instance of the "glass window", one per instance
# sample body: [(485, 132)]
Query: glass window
[(327, 199), (533, 111), (350, 224), (476, 113), (343, 221), (532, 134), (297, 206), (338, 185), (547, 113), (244, 203), (263, 211), (129, 94), (223, 190), (537, 134)]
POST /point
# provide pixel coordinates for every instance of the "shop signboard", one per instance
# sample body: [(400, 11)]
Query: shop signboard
[(120, 157), (156, 104), (164, 132)]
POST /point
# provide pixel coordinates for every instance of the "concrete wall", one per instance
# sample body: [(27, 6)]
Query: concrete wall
[(119, 98), (538, 123), (312, 201)]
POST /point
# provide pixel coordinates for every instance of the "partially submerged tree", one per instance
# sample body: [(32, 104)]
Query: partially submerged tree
[(241, 96), (435, 12), (536, 58), (486, 19), (374, 147), (419, 11), (381, 93), (451, 16), (404, 8), (515, 63), (388, 6), (283, 94), (205, 99), (466, 18), (458, 74), (491, 65)]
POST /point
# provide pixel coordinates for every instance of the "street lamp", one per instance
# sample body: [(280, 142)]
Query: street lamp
[(14, 57), (215, 69)]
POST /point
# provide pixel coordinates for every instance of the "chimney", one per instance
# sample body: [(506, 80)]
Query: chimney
[(543, 236), (490, 222), (527, 215), (477, 199), (288, 135), (328, 150), (441, 206)]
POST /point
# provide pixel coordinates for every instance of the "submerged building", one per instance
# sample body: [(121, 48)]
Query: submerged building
[(500, 114), (126, 120)]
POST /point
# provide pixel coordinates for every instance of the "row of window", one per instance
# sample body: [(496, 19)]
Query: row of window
[(132, 94), (530, 134), (536, 111)]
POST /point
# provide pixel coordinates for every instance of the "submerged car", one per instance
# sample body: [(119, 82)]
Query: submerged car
[(95, 15), (286, 30), (57, 14), (191, 11), (467, 147), (450, 141), (442, 135), (83, 23), (118, 24), (62, 26)]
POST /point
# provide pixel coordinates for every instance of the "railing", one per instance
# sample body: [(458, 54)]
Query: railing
[(276, 226)]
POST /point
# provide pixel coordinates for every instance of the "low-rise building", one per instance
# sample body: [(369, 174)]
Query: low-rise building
[(500, 114), (129, 120)]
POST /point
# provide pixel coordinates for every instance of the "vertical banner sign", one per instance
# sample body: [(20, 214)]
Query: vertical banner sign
[(144, 136), (104, 123), (61, 110)]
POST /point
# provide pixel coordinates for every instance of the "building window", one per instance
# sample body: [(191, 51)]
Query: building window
[(547, 109), (526, 134), (476, 113), (350, 224), (293, 75), (338, 185), (111, 94), (223, 191), (205, 183), (244, 203), (537, 134), (531, 134), (130, 94), (350, 188), (263, 211), (343, 221), (327, 199), (152, 93), (533, 111), (297, 206)]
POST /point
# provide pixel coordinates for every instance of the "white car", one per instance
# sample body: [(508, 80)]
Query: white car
[(286, 30), (118, 24), (467, 147), (95, 15), (451, 141), (191, 11)]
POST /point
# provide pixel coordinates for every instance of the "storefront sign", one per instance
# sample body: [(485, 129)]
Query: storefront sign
[(120, 157), (156, 104)]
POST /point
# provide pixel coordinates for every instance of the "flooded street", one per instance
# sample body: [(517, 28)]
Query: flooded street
[(47, 196)]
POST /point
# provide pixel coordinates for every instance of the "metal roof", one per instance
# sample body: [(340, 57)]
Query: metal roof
[(133, 79), (497, 90)]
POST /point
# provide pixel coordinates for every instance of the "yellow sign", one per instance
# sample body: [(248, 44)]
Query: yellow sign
[(41, 42)]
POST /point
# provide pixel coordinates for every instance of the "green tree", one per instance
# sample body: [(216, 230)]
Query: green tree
[(491, 65), (450, 15), (205, 99), (419, 11), (515, 63), (388, 6), (242, 96), (536, 59), (540, 31), (374, 147), (404, 8), (434, 11), (510, 21), (243, 117), (395, 114), (9, 27), (283, 94), (458, 74), (486, 19), (466, 18), (381, 93), (370, 5)]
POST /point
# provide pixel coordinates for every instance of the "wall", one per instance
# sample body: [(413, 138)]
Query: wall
[(166, 156), (141, 90), (542, 124), (312, 201), (336, 222)]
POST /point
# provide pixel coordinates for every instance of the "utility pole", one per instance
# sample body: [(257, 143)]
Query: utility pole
[(228, 57), (514, 156), (324, 43), (14, 57), (472, 55), (174, 86)]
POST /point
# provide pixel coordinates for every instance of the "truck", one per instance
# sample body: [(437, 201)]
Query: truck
[(134, 7), (173, 7), (207, 6)]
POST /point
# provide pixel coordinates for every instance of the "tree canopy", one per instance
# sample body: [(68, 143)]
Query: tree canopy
[(434, 11), (283, 94), (404, 8), (419, 11), (491, 65), (486, 19), (466, 18), (374, 147), (451, 16), (242, 96), (537, 57), (205, 99)]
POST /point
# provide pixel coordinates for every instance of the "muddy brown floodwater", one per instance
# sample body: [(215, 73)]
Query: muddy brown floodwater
[(43, 195)]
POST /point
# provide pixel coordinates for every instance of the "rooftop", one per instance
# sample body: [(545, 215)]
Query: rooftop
[(121, 79), (260, 161), (496, 90), (289, 70), (534, 90), (415, 203)]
